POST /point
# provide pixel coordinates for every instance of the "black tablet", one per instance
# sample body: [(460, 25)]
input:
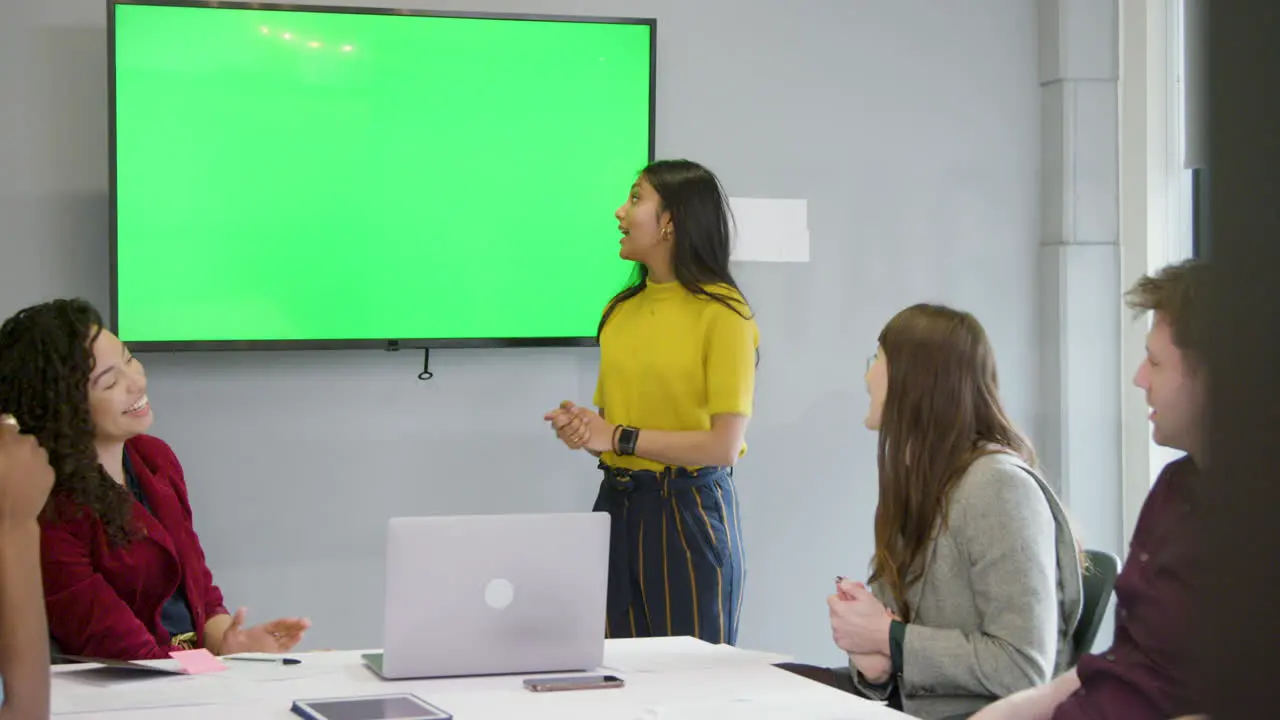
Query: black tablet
[(375, 707)]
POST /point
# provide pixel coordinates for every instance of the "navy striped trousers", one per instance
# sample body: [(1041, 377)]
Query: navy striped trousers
[(676, 564)]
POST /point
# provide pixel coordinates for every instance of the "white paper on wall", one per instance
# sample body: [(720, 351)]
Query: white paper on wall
[(770, 230)]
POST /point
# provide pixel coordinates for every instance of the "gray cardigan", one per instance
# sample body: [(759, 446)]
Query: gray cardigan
[(999, 599)]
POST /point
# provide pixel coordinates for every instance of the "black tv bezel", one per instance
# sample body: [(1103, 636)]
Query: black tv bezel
[(339, 343)]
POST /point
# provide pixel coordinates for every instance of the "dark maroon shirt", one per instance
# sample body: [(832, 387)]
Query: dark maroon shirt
[(1147, 672)]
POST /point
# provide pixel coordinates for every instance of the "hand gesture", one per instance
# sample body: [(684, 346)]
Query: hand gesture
[(276, 636), (859, 622), (571, 429), (599, 431), (875, 667)]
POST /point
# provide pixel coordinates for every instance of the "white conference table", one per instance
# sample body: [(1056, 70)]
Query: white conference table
[(666, 679)]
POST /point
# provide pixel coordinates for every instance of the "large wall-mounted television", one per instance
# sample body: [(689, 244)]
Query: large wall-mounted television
[(289, 176)]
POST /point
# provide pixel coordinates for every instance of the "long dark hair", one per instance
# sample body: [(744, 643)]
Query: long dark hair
[(942, 412), (46, 360), (701, 217)]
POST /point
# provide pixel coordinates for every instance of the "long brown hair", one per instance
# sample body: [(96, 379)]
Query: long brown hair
[(941, 412)]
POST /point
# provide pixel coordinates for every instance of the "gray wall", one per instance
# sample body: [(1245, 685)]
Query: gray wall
[(913, 128)]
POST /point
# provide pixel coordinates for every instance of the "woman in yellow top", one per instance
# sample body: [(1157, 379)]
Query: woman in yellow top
[(677, 379)]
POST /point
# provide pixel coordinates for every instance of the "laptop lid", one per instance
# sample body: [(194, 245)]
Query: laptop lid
[(495, 594)]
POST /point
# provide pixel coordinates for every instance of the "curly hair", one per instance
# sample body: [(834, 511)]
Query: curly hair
[(46, 360)]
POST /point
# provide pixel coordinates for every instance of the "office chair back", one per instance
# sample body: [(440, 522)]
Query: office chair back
[(1099, 580)]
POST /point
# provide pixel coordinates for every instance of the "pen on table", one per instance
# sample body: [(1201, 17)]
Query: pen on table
[(282, 661)]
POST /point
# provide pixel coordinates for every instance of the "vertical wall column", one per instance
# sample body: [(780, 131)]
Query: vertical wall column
[(1080, 421)]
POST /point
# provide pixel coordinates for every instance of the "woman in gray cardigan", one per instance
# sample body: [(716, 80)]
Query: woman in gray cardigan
[(975, 586)]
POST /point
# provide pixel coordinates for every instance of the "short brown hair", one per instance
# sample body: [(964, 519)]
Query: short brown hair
[(1176, 292)]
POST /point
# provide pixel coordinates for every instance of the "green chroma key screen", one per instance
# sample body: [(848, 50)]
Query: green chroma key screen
[(328, 176)]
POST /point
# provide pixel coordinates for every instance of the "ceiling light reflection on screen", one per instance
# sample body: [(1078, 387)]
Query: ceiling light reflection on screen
[(314, 44)]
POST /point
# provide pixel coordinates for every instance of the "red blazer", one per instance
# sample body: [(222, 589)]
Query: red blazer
[(105, 601)]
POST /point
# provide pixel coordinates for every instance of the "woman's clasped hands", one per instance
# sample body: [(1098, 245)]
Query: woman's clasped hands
[(860, 626), (579, 427)]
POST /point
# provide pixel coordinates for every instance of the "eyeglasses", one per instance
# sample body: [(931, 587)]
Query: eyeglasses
[(871, 361)]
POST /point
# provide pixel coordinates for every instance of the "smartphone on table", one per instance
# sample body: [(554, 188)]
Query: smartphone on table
[(573, 682)]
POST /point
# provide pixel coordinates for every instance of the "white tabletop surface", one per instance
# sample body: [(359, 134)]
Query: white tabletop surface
[(666, 679)]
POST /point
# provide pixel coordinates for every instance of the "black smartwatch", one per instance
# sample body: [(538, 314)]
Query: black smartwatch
[(626, 442)]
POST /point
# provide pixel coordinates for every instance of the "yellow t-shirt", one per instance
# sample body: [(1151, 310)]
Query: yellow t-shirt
[(670, 359)]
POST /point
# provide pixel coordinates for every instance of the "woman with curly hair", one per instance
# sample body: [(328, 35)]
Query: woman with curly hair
[(124, 574)]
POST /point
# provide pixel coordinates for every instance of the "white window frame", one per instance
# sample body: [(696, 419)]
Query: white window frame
[(1155, 207)]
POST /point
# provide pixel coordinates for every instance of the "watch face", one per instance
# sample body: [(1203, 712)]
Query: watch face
[(627, 440)]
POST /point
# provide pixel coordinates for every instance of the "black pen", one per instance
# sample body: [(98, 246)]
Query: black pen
[(282, 661)]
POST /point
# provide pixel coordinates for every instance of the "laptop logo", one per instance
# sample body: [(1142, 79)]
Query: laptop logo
[(499, 593)]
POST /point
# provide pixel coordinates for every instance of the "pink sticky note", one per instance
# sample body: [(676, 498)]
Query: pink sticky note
[(197, 662)]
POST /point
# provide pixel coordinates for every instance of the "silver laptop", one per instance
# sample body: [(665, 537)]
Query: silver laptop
[(494, 594)]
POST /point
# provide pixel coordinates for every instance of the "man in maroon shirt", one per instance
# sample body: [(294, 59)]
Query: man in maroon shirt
[(1147, 671)]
